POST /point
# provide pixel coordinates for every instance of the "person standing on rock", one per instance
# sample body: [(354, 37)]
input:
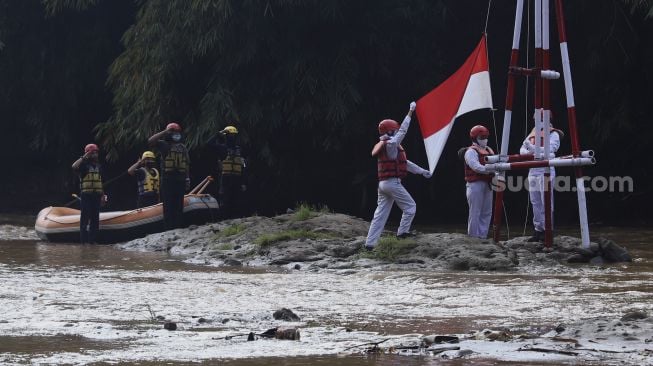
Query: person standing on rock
[(478, 177), (147, 177), (91, 193), (392, 166), (232, 168), (175, 179), (536, 179)]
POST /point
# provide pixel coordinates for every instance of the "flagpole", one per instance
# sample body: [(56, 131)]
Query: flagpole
[(546, 104), (507, 117), (573, 132), (537, 104)]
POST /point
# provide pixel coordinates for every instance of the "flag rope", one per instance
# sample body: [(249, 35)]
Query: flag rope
[(487, 17)]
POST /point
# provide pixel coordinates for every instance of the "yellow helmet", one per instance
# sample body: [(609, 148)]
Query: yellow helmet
[(230, 129), (148, 154)]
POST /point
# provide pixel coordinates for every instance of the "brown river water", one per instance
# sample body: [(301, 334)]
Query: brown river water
[(75, 304)]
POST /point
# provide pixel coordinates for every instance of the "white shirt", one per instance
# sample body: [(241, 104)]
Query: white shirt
[(528, 148), (471, 159)]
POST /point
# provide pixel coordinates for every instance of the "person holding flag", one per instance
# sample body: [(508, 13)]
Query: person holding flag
[(478, 176), (392, 166), (466, 90)]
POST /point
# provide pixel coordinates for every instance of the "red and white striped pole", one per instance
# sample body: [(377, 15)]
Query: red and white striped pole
[(507, 117), (546, 104), (491, 159), (573, 132), (543, 163), (537, 95)]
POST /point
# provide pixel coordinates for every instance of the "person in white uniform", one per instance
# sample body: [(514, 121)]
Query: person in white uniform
[(536, 180), (478, 176), (392, 166)]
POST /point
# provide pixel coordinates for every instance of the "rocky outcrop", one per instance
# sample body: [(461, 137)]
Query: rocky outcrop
[(567, 249), (334, 241)]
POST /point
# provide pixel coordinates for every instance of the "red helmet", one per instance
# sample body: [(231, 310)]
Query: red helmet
[(173, 126), (477, 131), (90, 147), (388, 125)]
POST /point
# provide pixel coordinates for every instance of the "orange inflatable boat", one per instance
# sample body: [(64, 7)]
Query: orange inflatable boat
[(61, 224)]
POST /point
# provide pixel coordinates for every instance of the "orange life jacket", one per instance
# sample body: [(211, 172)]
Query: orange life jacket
[(473, 176), (390, 168)]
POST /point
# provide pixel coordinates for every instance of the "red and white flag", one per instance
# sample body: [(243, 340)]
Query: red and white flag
[(466, 90)]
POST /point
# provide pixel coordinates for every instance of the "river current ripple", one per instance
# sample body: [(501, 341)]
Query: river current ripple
[(82, 304)]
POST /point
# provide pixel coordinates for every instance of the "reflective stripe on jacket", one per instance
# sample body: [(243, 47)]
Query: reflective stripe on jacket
[(150, 182), (234, 163), (176, 161), (91, 182)]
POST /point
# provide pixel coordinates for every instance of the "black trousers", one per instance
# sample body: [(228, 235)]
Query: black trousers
[(90, 217), (231, 197), (172, 196), (145, 200)]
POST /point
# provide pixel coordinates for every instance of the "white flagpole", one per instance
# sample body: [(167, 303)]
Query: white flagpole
[(571, 115)]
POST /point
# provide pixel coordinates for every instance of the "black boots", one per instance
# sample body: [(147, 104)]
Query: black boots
[(406, 235), (537, 236)]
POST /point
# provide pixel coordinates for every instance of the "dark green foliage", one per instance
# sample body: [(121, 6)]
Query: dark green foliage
[(269, 67), (305, 82)]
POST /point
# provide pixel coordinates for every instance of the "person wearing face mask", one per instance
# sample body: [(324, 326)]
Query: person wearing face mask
[(536, 179), (175, 179), (91, 193), (392, 166), (232, 168), (147, 177), (478, 176)]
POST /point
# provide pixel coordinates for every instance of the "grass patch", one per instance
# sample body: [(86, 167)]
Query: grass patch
[(232, 230), (304, 211), (225, 246), (389, 248), (269, 239)]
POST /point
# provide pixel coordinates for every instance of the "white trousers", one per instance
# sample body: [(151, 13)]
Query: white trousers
[(479, 199), (391, 191), (536, 193)]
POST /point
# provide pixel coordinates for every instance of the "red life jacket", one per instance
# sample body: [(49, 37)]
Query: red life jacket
[(470, 174), (387, 168)]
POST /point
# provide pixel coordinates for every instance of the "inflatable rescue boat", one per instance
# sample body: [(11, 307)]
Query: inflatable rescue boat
[(61, 224)]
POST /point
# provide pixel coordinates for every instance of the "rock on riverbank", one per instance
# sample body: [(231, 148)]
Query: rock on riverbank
[(320, 240)]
